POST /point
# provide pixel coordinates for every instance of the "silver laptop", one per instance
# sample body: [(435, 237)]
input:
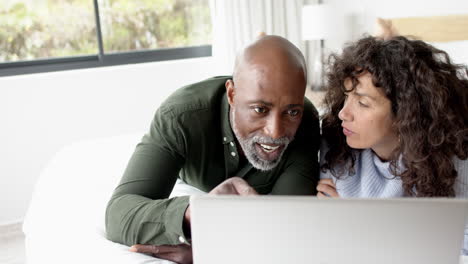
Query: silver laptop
[(293, 229)]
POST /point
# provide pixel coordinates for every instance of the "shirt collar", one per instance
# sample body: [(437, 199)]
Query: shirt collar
[(226, 130)]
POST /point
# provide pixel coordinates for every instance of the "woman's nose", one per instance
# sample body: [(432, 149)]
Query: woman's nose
[(345, 113)]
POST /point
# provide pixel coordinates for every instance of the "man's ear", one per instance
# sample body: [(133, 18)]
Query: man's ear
[(230, 91)]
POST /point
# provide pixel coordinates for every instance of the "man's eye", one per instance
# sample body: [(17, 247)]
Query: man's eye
[(293, 112), (260, 110)]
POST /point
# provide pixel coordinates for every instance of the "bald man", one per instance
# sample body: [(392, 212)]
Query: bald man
[(250, 133)]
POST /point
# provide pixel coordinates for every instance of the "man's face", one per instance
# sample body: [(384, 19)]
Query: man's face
[(266, 111)]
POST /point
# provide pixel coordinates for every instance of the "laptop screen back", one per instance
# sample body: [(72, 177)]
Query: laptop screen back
[(289, 229)]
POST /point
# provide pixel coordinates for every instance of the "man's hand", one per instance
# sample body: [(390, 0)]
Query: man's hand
[(181, 253), (234, 185), (326, 188)]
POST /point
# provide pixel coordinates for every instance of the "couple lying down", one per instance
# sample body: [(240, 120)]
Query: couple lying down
[(395, 124)]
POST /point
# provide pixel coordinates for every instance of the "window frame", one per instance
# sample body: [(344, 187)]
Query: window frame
[(102, 59)]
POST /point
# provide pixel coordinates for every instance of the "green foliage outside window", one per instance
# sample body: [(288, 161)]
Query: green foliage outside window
[(31, 29)]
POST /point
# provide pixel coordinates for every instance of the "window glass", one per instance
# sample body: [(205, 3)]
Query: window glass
[(40, 29), (129, 25)]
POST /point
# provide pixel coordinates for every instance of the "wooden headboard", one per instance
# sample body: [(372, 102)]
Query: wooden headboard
[(433, 28)]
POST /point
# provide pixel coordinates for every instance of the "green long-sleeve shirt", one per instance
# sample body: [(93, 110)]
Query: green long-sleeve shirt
[(191, 138)]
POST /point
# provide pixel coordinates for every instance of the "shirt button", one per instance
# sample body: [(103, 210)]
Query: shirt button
[(233, 154), (224, 138), (232, 144), (181, 239)]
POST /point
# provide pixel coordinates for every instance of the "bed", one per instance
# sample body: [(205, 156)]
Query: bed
[(448, 33)]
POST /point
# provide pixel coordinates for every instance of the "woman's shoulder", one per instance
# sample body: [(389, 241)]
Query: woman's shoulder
[(324, 148)]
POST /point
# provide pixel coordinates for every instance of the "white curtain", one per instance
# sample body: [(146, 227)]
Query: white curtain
[(236, 23)]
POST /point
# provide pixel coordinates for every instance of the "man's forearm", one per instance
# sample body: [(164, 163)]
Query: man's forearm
[(134, 219)]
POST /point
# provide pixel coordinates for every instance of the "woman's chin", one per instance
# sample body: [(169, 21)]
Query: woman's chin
[(355, 145)]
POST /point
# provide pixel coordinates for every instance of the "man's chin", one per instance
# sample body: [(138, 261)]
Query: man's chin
[(264, 166)]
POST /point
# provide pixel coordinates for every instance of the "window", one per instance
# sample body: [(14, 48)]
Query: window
[(50, 35)]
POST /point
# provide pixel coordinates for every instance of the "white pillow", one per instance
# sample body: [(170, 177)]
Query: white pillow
[(65, 220), (457, 50)]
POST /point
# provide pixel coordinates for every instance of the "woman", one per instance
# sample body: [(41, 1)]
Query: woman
[(396, 122)]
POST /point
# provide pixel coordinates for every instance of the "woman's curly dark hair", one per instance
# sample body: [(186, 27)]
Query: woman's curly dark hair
[(429, 102)]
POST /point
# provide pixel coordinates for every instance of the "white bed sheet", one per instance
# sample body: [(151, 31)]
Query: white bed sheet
[(65, 220)]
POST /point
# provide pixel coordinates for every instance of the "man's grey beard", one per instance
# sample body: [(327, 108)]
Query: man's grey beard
[(250, 151)]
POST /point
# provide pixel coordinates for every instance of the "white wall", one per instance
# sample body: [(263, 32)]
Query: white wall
[(41, 113), (361, 14)]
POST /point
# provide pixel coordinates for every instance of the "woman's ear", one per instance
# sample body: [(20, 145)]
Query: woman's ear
[(230, 91)]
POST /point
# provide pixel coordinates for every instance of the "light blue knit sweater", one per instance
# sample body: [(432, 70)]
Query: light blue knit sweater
[(374, 180)]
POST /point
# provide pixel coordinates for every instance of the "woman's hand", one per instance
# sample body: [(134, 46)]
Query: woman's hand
[(326, 188)]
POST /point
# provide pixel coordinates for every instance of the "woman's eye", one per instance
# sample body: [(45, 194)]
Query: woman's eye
[(363, 105), (293, 112), (260, 110)]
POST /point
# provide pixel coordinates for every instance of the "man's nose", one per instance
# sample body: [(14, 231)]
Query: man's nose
[(274, 127), (345, 113)]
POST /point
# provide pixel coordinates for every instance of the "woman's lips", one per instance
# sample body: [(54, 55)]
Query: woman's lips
[(347, 132)]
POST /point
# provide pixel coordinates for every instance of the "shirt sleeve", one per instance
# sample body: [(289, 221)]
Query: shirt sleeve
[(139, 211)]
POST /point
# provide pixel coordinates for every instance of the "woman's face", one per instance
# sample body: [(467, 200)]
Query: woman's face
[(367, 118)]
